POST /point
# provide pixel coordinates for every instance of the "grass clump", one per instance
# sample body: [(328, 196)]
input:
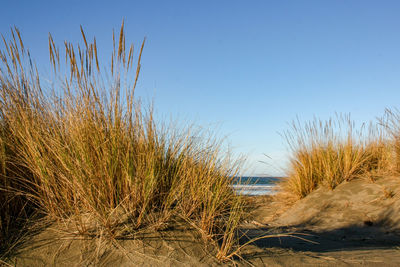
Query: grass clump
[(391, 122), (86, 153), (330, 152)]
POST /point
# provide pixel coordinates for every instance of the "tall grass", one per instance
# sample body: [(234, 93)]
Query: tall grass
[(391, 122), (330, 152), (85, 151), (15, 208)]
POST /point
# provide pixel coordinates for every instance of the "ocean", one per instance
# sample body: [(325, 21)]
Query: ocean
[(255, 186)]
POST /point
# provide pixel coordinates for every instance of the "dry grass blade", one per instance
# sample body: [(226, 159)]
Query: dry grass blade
[(95, 54), (138, 66), (293, 235), (130, 56), (121, 43), (84, 37)]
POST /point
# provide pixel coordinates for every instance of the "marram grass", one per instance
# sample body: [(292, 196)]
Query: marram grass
[(391, 122), (327, 153), (85, 152)]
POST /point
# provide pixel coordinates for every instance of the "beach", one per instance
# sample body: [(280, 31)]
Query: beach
[(356, 224), (92, 174)]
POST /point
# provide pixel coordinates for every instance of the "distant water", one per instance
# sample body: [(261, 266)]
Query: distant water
[(255, 186)]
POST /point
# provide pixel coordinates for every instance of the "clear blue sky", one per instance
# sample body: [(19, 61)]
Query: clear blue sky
[(247, 68)]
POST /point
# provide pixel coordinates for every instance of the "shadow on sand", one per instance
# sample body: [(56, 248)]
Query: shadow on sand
[(367, 237)]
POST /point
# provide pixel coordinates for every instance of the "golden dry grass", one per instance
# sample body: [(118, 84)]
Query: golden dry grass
[(86, 153), (391, 122), (330, 152)]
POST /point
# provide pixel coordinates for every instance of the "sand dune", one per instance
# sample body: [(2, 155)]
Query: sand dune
[(356, 224)]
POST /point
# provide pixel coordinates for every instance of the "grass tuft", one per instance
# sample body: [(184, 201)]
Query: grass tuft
[(87, 153), (331, 152)]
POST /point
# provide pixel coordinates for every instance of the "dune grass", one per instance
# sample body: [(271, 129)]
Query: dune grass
[(391, 122), (85, 152), (15, 207), (330, 152)]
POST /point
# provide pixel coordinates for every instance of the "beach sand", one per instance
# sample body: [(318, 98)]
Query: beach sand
[(356, 224)]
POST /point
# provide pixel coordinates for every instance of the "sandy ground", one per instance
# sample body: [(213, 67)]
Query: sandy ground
[(170, 247), (357, 224)]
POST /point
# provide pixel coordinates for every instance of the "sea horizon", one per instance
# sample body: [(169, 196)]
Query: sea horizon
[(256, 185)]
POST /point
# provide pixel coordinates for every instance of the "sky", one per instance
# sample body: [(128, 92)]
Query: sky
[(244, 69)]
